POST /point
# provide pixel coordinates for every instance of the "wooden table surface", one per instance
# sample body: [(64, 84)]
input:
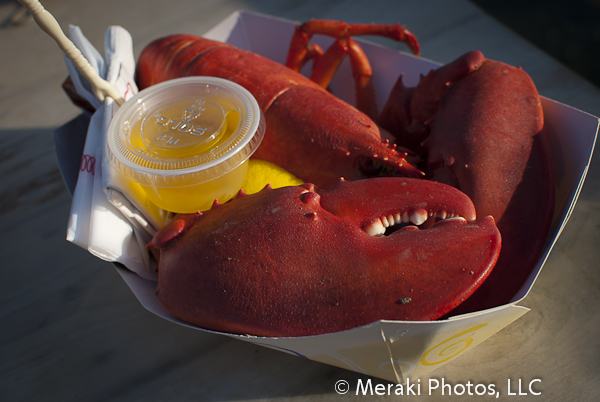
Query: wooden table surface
[(70, 328)]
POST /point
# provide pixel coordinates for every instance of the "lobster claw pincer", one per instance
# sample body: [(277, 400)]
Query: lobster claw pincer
[(298, 261), (479, 124)]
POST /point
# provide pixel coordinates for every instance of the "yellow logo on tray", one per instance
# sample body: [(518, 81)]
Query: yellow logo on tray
[(449, 348)]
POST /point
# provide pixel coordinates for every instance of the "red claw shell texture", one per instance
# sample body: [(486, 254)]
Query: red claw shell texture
[(297, 261)]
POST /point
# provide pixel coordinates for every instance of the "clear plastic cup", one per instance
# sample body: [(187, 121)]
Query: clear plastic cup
[(186, 141)]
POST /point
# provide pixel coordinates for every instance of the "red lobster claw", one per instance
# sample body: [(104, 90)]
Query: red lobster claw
[(297, 261), (479, 122)]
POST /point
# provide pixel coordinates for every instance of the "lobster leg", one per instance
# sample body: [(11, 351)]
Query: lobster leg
[(326, 64), (300, 51)]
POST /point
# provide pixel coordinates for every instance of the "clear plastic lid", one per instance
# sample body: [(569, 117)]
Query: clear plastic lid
[(184, 132)]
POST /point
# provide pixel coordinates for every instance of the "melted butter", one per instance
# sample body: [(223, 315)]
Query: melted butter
[(177, 135), (185, 142), (184, 129)]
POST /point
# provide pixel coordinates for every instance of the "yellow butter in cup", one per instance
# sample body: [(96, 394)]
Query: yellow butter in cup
[(187, 141)]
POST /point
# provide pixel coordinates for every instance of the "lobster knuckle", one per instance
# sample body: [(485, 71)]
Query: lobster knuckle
[(170, 233)]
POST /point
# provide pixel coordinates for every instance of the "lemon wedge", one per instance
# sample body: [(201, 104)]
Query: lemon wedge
[(260, 173)]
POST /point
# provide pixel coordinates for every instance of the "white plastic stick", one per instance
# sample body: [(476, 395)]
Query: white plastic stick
[(100, 87)]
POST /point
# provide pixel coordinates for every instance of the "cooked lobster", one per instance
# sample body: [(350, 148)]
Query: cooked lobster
[(476, 124), (297, 261)]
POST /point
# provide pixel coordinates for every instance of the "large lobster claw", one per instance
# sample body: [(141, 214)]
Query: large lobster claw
[(479, 124), (297, 261)]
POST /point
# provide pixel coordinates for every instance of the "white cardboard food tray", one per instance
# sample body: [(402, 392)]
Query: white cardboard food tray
[(396, 350)]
